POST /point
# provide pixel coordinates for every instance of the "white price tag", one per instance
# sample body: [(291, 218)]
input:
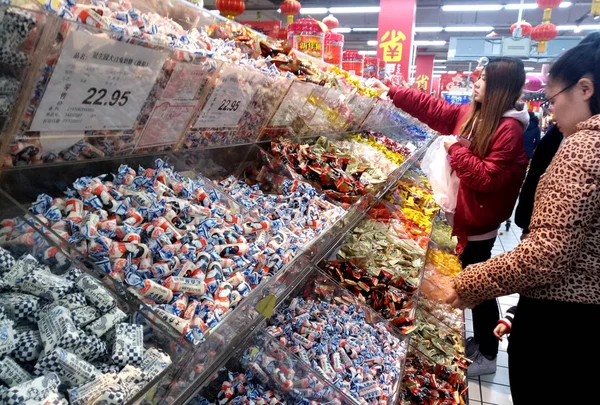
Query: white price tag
[(411, 147), (229, 99), (97, 84)]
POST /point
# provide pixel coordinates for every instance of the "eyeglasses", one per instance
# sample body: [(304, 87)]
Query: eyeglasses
[(551, 99)]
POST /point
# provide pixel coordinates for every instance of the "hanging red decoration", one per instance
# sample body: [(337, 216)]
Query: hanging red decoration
[(230, 8), (331, 22), (543, 33), (547, 6), (290, 8), (525, 29)]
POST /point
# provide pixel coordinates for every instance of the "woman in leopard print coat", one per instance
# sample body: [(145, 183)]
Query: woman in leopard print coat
[(556, 270)]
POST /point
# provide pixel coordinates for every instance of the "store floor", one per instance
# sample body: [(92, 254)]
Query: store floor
[(495, 388)]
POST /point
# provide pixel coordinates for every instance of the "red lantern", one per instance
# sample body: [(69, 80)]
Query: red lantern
[(331, 22), (543, 33), (547, 6), (230, 8), (290, 8), (525, 28)]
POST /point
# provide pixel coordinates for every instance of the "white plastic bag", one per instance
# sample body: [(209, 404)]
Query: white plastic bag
[(443, 180)]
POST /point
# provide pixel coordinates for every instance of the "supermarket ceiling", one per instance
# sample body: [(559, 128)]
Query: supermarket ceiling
[(431, 14)]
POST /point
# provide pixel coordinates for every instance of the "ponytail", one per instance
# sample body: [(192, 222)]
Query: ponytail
[(578, 62)]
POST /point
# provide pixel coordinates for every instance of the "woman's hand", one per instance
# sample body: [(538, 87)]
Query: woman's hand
[(449, 141), (454, 300), (377, 84)]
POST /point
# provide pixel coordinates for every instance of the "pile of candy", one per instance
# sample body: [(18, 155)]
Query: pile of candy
[(363, 360), (266, 374), (442, 236), (15, 26), (431, 299), (391, 296), (394, 151), (372, 246), (445, 263), (176, 243), (438, 342), (66, 335), (336, 167), (416, 204), (425, 383)]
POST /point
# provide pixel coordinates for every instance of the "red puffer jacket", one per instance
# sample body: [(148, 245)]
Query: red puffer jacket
[(489, 185)]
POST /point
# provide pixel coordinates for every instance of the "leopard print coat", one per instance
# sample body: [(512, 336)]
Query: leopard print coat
[(560, 260)]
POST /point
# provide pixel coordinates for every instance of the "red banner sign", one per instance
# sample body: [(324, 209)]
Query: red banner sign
[(395, 36), (424, 72)]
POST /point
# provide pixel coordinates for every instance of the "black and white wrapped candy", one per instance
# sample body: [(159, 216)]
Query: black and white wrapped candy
[(128, 348), (57, 329), (96, 293), (84, 316), (70, 368), (29, 346), (19, 306), (8, 342), (6, 260), (11, 373), (42, 390)]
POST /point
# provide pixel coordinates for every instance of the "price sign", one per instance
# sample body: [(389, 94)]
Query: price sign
[(229, 99), (97, 84), (167, 123)]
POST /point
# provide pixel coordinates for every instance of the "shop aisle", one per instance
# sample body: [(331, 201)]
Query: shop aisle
[(495, 388)]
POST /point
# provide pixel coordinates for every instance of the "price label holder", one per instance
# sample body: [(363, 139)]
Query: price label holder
[(360, 106), (329, 115), (97, 84), (229, 99), (188, 80), (168, 121), (289, 109)]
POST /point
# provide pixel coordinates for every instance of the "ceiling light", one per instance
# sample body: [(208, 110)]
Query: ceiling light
[(472, 7), (365, 29), (367, 53), (342, 30), (526, 6), (372, 43), (439, 61), (429, 29), (468, 72), (532, 6), (475, 28), (529, 68), (314, 10), (436, 76), (452, 72), (217, 12), (577, 30), (581, 27), (429, 43), (347, 10)]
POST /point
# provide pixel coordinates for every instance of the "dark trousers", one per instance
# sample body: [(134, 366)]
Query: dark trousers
[(486, 314), (553, 357)]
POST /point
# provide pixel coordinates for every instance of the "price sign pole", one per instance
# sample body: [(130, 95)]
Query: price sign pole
[(97, 84)]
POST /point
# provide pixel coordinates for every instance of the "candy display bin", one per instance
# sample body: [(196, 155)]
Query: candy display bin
[(425, 380), (101, 330), (366, 337), (261, 368)]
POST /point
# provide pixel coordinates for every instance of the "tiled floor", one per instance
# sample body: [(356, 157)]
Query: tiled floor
[(495, 388)]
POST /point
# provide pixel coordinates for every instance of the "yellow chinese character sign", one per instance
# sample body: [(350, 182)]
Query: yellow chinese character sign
[(392, 42), (422, 82)]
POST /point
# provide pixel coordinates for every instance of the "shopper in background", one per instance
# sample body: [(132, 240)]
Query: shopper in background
[(544, 153), (531, 137), (556, 269), (490, 162)]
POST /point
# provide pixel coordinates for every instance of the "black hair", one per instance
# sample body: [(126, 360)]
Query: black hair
[(577, 62), (533, 118)]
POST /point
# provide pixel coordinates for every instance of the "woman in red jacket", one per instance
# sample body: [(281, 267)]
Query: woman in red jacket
[(490, 160)]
